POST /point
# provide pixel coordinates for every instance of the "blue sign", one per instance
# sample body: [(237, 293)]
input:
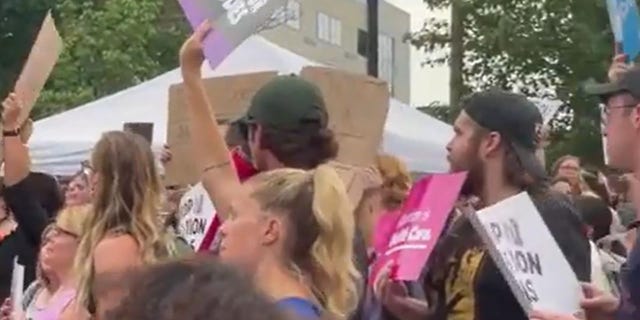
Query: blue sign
[(625, 23)]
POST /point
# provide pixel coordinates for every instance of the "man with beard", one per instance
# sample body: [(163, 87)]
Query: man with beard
[(496, 135)]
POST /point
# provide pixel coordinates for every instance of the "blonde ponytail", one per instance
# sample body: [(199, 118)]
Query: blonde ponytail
[(333, 272)]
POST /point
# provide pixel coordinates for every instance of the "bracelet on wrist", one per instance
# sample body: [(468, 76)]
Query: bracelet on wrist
[(11, 132)]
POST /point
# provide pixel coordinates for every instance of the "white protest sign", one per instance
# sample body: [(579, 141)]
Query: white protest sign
[(196, 215), (236, 10), (548, 109), (528, 256), (17, 285)]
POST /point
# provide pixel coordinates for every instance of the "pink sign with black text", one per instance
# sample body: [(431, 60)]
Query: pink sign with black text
[(411, 233)]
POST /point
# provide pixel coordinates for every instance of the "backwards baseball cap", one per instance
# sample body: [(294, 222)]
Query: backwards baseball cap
[(286, 102), (628, 81), (517, 120)]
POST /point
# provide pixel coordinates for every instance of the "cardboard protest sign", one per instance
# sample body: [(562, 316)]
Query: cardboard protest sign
[(35, 72), (233, 22), (625, 24), (196, 216), (417, 226), (527, 255), (357, 107), (230, 97), (357, 123)]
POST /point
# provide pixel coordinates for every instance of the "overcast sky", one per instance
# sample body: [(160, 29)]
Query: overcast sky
[(427, 84)]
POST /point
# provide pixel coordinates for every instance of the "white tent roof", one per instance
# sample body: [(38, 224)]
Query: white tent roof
[(60, 142)]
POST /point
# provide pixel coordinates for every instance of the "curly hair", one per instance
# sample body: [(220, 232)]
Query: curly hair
[(396, 180), (198, 288), (303, 147)]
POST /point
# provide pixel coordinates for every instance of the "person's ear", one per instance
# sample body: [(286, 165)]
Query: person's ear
[(490, 144), (635, 117), (271, 231)]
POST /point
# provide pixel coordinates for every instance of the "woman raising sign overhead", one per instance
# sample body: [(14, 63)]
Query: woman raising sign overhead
[(291, 229)]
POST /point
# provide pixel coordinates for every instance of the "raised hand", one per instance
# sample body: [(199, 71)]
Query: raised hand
[(618, 67), (191, 53), (11, 109)]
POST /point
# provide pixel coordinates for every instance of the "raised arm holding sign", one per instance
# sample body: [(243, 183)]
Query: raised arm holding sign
[(43, 57)]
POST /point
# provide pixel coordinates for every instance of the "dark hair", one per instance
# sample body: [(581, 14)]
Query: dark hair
[(596, 214), (304, 147), (197, 288), (46, 190), (236, 136)]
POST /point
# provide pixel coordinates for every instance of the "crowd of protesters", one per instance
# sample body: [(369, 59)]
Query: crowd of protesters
[(294, 241)]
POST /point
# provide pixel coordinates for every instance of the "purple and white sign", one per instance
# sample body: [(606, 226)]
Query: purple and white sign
[(233, 22)]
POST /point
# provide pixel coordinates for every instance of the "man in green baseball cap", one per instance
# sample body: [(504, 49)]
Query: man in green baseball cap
[(287, 125)]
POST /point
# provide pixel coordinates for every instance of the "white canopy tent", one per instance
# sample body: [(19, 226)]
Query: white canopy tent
[(62, 141)]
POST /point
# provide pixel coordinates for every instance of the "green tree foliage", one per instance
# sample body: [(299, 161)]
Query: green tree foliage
[(109, 46), (441, 112), (543, 48), (19, 22)]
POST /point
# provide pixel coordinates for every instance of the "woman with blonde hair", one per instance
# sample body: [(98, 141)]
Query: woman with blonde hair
[(290, 229), (385, 196), (52, 295), (123, 228)]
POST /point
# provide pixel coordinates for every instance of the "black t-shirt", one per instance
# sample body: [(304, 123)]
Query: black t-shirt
[(24, 242), (465, 283)]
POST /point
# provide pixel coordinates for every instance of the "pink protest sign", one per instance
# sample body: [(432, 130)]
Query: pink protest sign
[(233, 22), (417, 226)]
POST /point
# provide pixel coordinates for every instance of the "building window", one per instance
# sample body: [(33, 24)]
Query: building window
[(363, 43), (329, 29), (293, 14), (386, 61), (386, 50)]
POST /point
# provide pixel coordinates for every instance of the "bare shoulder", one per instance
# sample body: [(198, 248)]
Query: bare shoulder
[(116, 252), (117, 243)]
